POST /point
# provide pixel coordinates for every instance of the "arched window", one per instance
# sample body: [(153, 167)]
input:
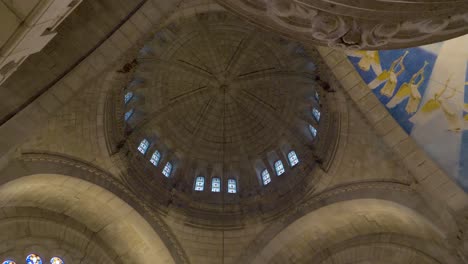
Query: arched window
[(317, 97), (155, 158), (316, 114), (232, 186), (8, 261), (215, 185), (167, 169), (292, 157), (199, 183), (143, 147), (56, 260), (279, 168), (313, 131), (128, 97), (129, 114), (33, 259), (265, 177)]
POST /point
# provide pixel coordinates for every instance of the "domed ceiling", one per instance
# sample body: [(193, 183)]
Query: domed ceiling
[(217, 98)]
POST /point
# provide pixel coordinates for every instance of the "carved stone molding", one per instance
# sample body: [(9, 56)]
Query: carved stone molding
[(354, 24)]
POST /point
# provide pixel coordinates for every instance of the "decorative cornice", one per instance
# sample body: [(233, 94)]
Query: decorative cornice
[(363, 25)]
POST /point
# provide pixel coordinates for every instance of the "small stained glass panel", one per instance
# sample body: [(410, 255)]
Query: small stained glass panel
[(155, 158), (143, 147), (316, 114), (128, 97), (279, 167), (8, 261), (232, 186), (293, 159), (199, 183), (129, 114), (167, 169), (313, 131), (216, 185), (33, 259), (317, 97), (266, 179), (56, 260)]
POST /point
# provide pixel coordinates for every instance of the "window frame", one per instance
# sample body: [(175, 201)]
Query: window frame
[(146, 146), (127, 98), (229, 189), (316, 114), (154, 161), (213, 182), (129, 114), (280, 171), (199, 188), (313, 131), (170, 166), (293, 153), (263, 174)]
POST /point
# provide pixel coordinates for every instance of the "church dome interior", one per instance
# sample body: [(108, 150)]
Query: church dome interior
[(221, 131), (219, 114)]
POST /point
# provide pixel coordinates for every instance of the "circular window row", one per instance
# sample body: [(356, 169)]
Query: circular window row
[(35, 259)]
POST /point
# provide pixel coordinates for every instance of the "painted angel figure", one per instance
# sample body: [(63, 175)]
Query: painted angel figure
[(390, 77), (438, 102), (410, 90), (369, 60)]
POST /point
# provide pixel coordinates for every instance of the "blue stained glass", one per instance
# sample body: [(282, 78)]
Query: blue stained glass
[(128, 97), (293, 159), (265, 177), (200, 184), (313, 131), (8, 261), (155, 158), (279, 167), (232, 186), (167, 169), (316, 114), (56, 260), (33, 259), (215, 185), (143, 147), (129, 114)]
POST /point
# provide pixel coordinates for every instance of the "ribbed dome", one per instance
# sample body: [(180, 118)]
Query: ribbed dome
[(218, 98)]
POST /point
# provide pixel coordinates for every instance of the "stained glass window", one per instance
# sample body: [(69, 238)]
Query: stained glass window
[(200, 184), (33, 259), (316, 114), (317, 96), (8, 261), (313, 131), (155, 158), (232, 186), (279, 167), (266, 177), (143, 147), (56, 260), (167, 169), (128, 97), (129, 114), (293, 159), (215, 185)]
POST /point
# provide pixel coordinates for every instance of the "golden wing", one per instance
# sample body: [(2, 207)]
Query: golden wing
[(430, 106)]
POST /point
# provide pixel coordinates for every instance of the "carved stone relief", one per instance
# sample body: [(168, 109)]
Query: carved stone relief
[(353, 24)]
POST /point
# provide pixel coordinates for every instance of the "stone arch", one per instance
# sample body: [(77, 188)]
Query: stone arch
[(335, 227), (96, 200)]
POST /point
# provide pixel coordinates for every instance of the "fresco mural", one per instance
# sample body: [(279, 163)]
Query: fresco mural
[(426, 91)]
